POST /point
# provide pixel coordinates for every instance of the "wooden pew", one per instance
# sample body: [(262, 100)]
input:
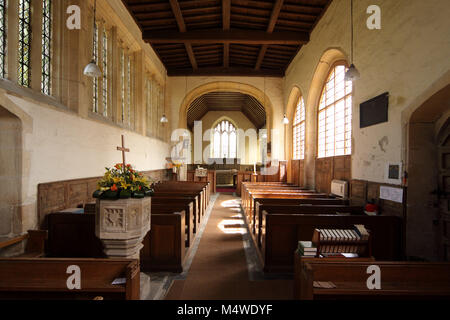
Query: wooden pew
[(261, 202), (164, 245), (187, 186), (72, 235), (167, 197), (399, 280), (192, 195), (35, 243), (249, 207), (280, 234), (299, 260), (302, 209), (46, 278), (186, 202), (173, 207)]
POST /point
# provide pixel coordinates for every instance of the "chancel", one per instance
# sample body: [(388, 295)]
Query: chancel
[(270, 150)]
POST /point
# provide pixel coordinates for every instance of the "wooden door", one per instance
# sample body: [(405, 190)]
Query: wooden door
[(444, 189)]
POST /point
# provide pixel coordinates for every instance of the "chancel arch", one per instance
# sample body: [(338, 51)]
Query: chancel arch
[(227, 86)]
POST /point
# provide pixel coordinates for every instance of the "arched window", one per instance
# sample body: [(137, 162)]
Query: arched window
[(224, 140), (335, 115), (299, 131)]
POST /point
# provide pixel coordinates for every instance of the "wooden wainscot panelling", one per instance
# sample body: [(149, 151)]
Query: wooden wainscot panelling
[(295, 171), (358, 192), (328, 169), (362, 192), (60, 195)]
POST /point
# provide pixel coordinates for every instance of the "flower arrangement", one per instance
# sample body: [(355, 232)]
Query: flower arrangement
[(123, 182)]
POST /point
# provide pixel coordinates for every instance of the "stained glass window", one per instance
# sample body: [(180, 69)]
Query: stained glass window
[(95, 80), (46, 46), (335, 115), (24, 72), (3, 38), (299, 131), (105, 73)]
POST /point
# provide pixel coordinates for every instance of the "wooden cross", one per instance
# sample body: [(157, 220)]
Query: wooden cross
[(123, 149)]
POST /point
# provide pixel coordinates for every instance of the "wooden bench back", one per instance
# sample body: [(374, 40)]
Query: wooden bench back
[(40, 278), (280, 234), (401, 279)]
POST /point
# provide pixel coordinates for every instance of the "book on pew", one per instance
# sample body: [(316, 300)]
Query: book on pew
[(306, 248)]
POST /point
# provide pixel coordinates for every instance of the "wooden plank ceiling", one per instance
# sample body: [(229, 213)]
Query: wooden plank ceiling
[(226, 37), (227, 101)]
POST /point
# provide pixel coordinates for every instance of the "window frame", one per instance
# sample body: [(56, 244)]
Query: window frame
[(4, 39), (46, 51), (330, 71), (219, 128), (24, 23), (302, 122)]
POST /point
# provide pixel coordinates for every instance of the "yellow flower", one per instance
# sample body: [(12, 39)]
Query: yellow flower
[(117, 180)]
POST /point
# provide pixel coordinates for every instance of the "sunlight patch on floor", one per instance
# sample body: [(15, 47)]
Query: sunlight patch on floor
[(230, 204), (232, 226)]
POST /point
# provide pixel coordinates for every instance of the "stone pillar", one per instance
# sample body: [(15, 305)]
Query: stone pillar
[(121, 225)]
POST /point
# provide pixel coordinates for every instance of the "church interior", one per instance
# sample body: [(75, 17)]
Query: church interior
[(224, 149)]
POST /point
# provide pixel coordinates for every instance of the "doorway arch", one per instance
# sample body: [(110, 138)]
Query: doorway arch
[(425, 225)]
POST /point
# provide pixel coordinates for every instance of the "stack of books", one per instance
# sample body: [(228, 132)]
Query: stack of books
[(341, 240), (306, 249)]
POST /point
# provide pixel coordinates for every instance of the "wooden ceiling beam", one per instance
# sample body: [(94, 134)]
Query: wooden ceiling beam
[(242, 37), (272, 22), (182, 27), (226, 18)]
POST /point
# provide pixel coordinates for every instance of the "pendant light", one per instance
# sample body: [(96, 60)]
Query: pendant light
[(92, 70), (164, 118), (352, 73), (285, 119)]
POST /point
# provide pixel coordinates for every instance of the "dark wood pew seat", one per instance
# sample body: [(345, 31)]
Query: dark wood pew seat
[(164, 245), (46, 278), (174, 207), (280, 234), (300, 209), (399, 280)]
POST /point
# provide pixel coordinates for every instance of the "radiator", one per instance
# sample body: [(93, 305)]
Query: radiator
[(339, 188)]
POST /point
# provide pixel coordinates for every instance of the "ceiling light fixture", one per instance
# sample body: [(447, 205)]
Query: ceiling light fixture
[(164, 118), (352, 73), (92, 70)]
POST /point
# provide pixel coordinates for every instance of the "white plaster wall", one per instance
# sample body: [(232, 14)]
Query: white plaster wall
[(405, 57), (178, 88), (59, 145)]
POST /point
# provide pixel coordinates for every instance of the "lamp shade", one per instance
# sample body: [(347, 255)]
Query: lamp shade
[(164, 119), (285, 120), (92, 70), (352, 73)]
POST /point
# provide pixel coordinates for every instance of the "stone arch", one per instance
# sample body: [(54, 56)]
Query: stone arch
[(426, 122), (227, 86), (10, 176), (328, 59)]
